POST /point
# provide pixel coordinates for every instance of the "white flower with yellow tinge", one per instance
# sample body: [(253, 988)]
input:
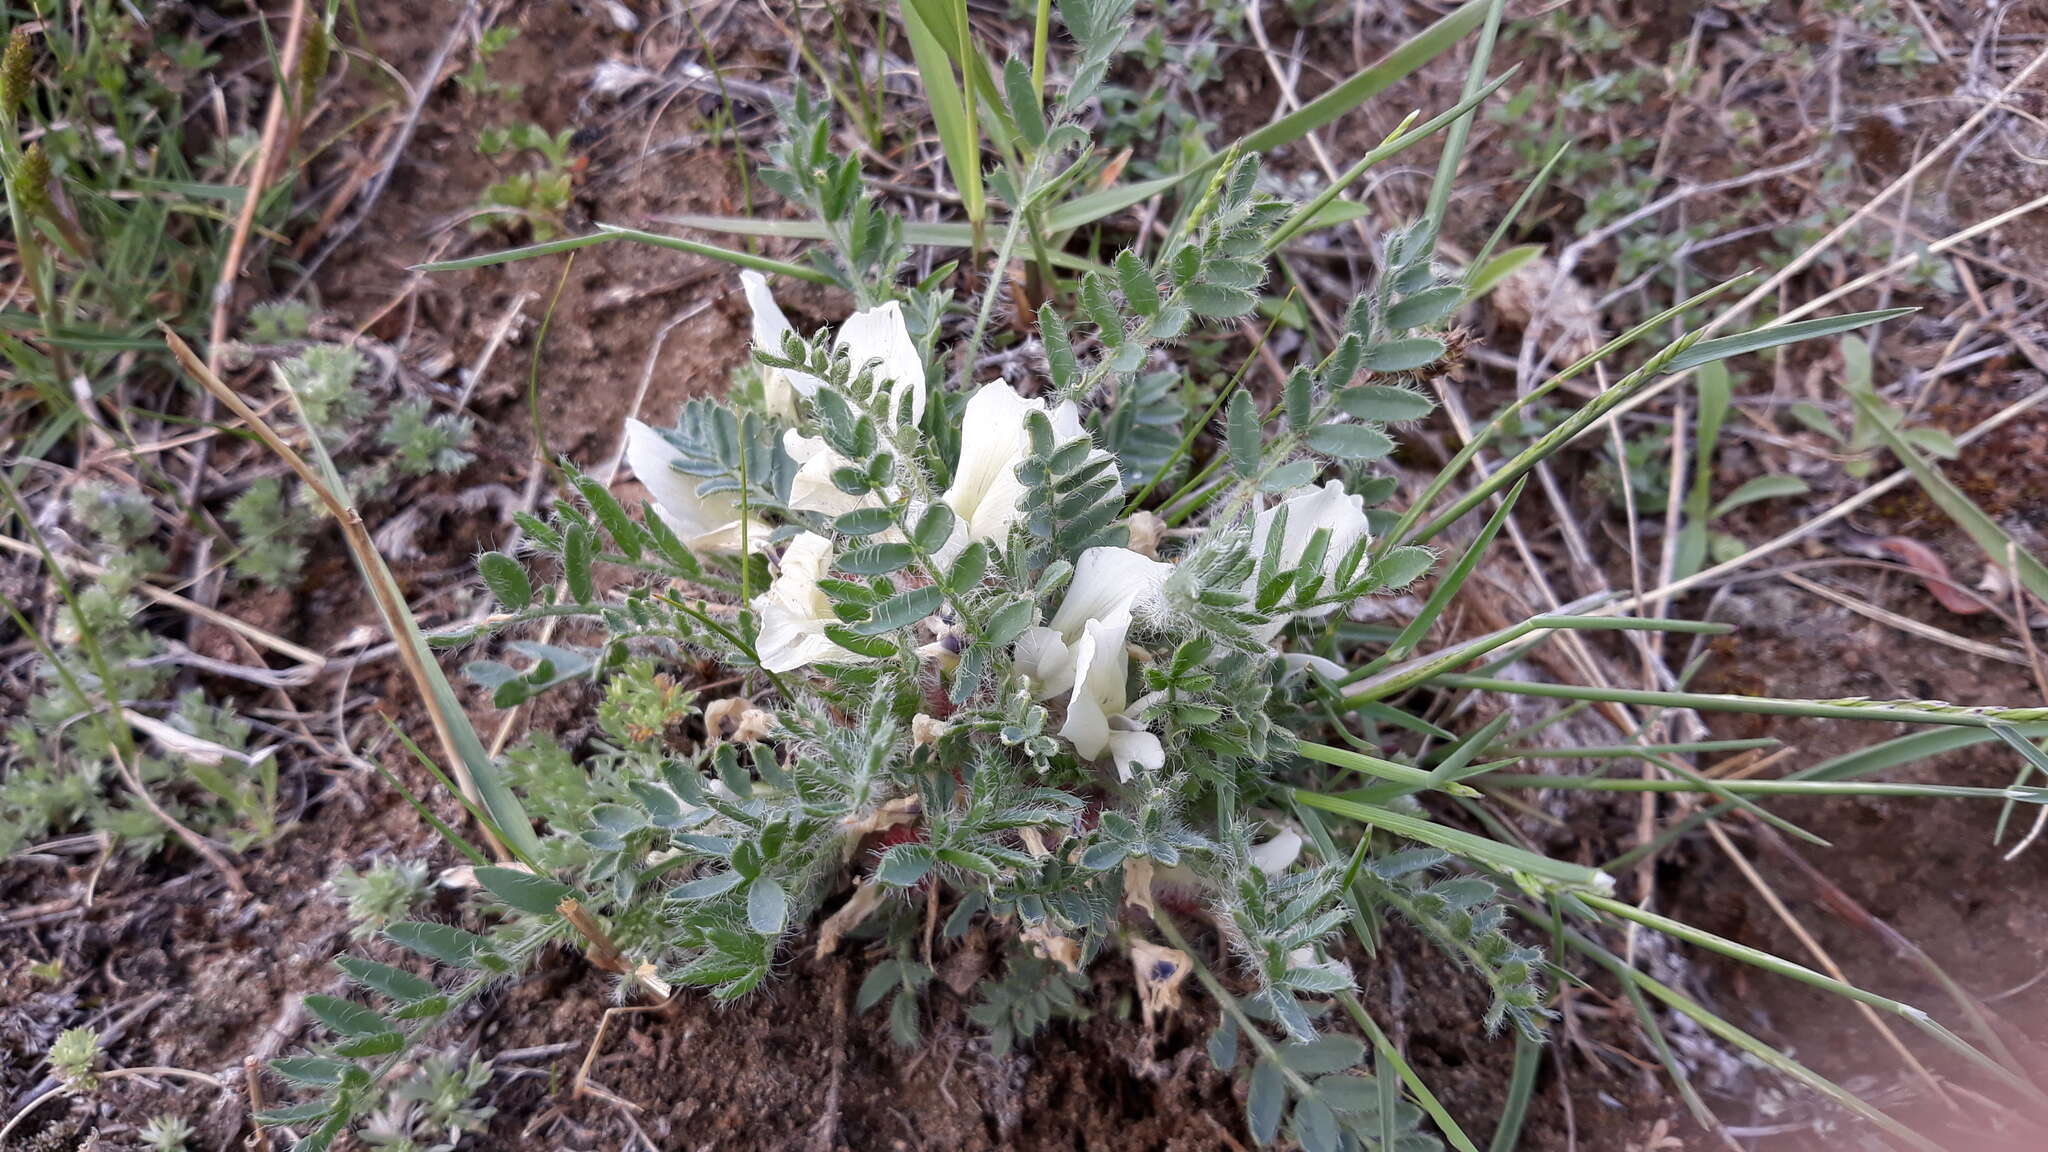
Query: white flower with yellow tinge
[(780, 386), (1082, 653), (795, 611), (1105, 581), (1096, 723), (1308, 510), (703, 523), (986, 494), (812, 489), (876, 335)]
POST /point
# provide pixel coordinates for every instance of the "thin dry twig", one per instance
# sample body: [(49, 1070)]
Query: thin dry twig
[(311, 660), (192, 840), (391, 611)]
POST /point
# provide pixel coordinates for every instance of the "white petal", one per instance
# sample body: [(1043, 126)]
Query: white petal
[(1309, 509), (1106, 581), (1000, 507), (1045, 656), (674, 495), (1087, 726), (1131, 746), (992, 444), (880, 334), (1100, 665), (1321, 666), (994, 440), (1278, 854), (728, 538), (769, 327), (1066, 422), (812, 489), (795, 587), (794, 610), (703, 523), (788, 643)]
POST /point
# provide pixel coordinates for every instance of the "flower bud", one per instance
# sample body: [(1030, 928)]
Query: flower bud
[(313, 60), (32, 182), (15, 71)]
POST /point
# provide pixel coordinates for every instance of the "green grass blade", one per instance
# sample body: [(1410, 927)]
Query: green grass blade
[(1400, 141), (943, 234), (451, 722), (1759, 339), (1454, 140), (1484, 259), (712, 251), (1458, 765), (1996, 543), (1373, 766), (508, 255), (1514, 1111), (509, 822), (1369, 81), (1757, 958), (1453, 580), (1893, 711), (1673, 1067), (454, 838), (959, 136), (1765, 1054), (1480, 849), (1639, 751), (1878, 757), (1403, 531), (1384, 1050), (606, 233), (1483, 276), (1404, 676), (1087, 209), (1765, 787)]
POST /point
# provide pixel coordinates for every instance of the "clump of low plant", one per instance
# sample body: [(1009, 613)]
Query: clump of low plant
[(167, 1133), (997, 664), (382, 894), (273, 518), (78, 758), (75, 1058), (537, 195)]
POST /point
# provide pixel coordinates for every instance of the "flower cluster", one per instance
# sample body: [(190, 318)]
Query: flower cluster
[(1079, 654)]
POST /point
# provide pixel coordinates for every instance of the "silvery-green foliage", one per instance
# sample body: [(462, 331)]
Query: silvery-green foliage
[(1463, 915), (964, 688)]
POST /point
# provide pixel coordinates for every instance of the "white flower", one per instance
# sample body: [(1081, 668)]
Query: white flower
[(812, 489), (1095, 711), (1278, 854), (1105, 581), (1310, 509), (873, 334), (702, 523), (1081, 652), (794, 610), (880, 334), (876, 334), (780, 385), (986, 494)]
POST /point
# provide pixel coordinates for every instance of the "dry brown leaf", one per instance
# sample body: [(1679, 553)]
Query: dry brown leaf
[(867, 896), (1568, 315), (1047, 944), (1138, 884)]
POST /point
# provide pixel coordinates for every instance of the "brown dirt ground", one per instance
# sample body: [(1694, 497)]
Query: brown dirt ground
[(190, 979)]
